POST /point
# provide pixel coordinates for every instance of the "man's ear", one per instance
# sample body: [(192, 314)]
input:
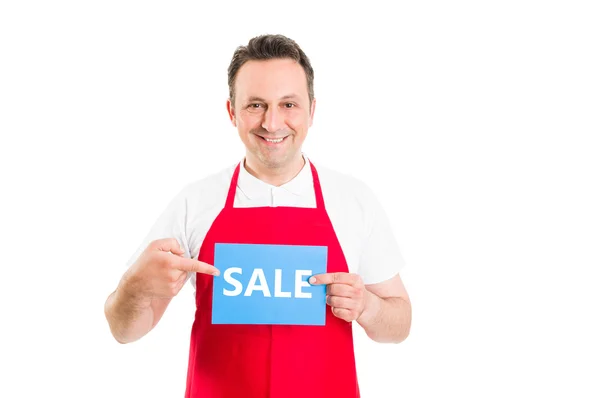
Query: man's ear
[(312, 112), (231, 112)]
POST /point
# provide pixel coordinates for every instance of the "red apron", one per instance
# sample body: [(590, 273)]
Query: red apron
[(270, 361)]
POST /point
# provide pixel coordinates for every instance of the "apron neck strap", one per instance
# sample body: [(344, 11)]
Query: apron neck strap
[(316, 184), (232, 187)]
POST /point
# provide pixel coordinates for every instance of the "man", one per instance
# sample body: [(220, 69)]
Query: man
[(274, 196)]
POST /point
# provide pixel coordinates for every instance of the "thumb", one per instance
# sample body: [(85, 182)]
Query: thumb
[(168, 245)]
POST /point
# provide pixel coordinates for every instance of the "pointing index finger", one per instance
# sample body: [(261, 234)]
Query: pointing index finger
[(332, 277), (191, 265)]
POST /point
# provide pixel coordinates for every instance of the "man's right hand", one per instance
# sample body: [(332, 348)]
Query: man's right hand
[(161, 271)]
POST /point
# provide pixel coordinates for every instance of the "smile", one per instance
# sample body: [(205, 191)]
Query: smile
[(274, 140)]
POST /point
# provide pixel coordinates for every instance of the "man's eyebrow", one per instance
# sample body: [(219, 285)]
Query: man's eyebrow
[(289, 96), (255, 98)]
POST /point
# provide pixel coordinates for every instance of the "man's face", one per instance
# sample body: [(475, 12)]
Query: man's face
[(272, 110)]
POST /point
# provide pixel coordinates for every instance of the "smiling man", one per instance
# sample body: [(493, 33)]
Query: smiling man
[(305, 252)]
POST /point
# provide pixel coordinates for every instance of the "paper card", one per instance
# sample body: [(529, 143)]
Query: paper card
[(268, 284)]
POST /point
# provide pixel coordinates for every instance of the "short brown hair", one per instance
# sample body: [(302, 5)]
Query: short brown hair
[(266, 47)]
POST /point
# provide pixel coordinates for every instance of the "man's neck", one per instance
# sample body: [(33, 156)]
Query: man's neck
[(275, 176)]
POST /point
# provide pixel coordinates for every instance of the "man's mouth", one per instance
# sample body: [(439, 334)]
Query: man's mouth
[(274, 140)]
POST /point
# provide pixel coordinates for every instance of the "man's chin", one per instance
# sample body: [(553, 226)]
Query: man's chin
[(274, 161)]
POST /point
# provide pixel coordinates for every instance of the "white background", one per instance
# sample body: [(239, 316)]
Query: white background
[(476, 123)]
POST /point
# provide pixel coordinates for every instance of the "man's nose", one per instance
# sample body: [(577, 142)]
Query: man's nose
[(273, 120)]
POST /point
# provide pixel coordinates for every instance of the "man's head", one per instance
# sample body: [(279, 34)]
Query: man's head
[(271, 98)]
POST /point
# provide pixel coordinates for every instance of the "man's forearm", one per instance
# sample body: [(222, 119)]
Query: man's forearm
[(129, 317), (386, 320)]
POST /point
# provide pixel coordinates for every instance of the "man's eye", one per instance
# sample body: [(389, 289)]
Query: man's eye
[(289, 105), (254, 106)]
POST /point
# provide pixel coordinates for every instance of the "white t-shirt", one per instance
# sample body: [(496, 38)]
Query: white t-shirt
[(358, 219)]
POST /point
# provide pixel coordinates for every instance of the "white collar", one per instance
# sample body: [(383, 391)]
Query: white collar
[(254, 188)]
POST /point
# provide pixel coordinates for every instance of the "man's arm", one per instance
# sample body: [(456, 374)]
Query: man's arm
[(147, 288), (130, 318), (382, 309), (387, 314)]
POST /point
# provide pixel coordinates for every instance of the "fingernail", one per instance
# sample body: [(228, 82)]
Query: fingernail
[(312, 280)]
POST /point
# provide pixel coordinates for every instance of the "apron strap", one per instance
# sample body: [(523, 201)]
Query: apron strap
[(232, 187), (317, 185)]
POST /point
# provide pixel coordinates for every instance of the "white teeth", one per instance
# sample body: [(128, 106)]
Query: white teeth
[(275, 141)]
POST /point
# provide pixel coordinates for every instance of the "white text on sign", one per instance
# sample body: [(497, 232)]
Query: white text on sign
[(258, 282)]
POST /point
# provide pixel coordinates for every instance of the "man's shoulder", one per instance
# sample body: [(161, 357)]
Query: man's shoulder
[(335, 180), (210, 188)]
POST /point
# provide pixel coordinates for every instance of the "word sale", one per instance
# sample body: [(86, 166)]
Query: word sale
[(258, 283)]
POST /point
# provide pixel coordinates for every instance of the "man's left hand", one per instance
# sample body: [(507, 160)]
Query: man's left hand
[(346, 294)]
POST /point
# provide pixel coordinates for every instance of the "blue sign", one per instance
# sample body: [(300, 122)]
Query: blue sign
[(268, 284)]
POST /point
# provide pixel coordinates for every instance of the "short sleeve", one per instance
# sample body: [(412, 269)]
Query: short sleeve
[(380, 257), (171, 223)]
